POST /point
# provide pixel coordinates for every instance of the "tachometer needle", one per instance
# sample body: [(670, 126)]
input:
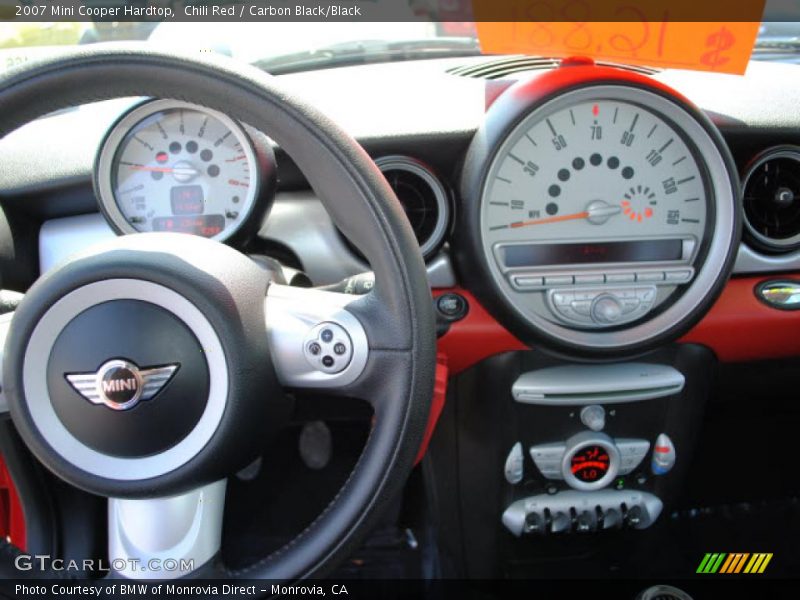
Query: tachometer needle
[(175, 170)]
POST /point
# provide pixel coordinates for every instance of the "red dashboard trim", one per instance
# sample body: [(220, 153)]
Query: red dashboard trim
[(737, 328)]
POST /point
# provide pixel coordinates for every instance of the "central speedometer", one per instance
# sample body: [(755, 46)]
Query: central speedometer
[(606, 214), (594, 171)]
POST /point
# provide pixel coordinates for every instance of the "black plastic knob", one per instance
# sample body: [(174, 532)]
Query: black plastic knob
[(634, 517), (534, 523), (561, 523), (584, 523), (612, 519)]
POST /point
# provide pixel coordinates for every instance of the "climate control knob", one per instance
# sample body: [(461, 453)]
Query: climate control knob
[(606, 309)]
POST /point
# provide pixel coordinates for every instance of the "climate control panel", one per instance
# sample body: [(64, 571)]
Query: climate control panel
[(589, 460), (582, 512)]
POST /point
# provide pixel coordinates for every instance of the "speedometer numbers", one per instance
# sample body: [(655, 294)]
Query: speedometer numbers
[(605, 211), (598, 170), (170, 166)]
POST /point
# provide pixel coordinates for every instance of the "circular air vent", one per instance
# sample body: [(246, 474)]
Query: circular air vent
[(423, 197), (772, 199)]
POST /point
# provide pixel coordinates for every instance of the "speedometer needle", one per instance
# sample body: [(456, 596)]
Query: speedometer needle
[(556, 219), (597, 212)]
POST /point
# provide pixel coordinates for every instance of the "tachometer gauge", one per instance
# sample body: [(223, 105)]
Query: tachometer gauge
[(606, 215), (173, 166)]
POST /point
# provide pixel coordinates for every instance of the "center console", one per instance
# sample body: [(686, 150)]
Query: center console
[(592, 438), (559, 462)]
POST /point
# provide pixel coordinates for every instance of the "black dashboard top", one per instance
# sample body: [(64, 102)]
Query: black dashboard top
[(416, 107)]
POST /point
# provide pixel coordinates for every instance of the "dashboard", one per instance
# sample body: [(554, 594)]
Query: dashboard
[(594, 210)]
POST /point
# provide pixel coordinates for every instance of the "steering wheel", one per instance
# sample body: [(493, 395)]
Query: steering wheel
[(148, 369)]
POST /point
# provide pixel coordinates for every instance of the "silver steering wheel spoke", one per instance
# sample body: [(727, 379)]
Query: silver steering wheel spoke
[(165, 538), (5, 323), (315, 341)]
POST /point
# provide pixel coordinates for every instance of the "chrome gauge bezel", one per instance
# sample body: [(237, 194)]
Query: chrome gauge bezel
[(111, 146), (416, 167), (711, 262)]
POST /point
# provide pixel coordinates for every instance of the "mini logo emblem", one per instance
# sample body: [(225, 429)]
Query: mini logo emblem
[(120, 384)]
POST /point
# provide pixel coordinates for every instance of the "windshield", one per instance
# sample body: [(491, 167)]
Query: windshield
[(296, 46)]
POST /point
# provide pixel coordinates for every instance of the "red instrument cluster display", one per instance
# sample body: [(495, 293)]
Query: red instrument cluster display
[(205, 225), (590, 464)]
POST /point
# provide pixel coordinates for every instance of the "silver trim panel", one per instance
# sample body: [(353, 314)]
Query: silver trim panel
[(298, 220), (157, 533), (292, 315), (51, 428), (608, 500), (749, 261), (5, 323), (573, 385)]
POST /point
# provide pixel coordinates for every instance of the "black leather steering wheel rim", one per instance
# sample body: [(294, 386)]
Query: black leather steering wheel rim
[(361, 204)]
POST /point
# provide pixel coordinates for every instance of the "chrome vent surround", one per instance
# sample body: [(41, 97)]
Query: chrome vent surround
[(771, 199), (507, 67), (423, 197)]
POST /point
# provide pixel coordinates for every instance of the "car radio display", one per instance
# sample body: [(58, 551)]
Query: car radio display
[(534, 255)]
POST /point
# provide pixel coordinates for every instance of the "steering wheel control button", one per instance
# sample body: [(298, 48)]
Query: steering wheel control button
[(514, 468), (328, 348), (572, 511), (594, 417), (663, 455), (452, 306)]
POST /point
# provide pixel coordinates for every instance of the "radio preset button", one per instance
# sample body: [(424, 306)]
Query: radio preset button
[(680, 276), (620, 277), (528, 282), (558, 280), (590, 279), (650, 276)]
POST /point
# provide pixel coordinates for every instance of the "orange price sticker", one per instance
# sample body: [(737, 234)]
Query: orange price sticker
[(646, 35)]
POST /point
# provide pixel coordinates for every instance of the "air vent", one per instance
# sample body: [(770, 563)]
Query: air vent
[(423, 197), (772, 199), (508, 66)]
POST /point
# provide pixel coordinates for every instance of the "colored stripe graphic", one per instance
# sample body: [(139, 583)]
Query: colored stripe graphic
[(735, 562), (711, 562)]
